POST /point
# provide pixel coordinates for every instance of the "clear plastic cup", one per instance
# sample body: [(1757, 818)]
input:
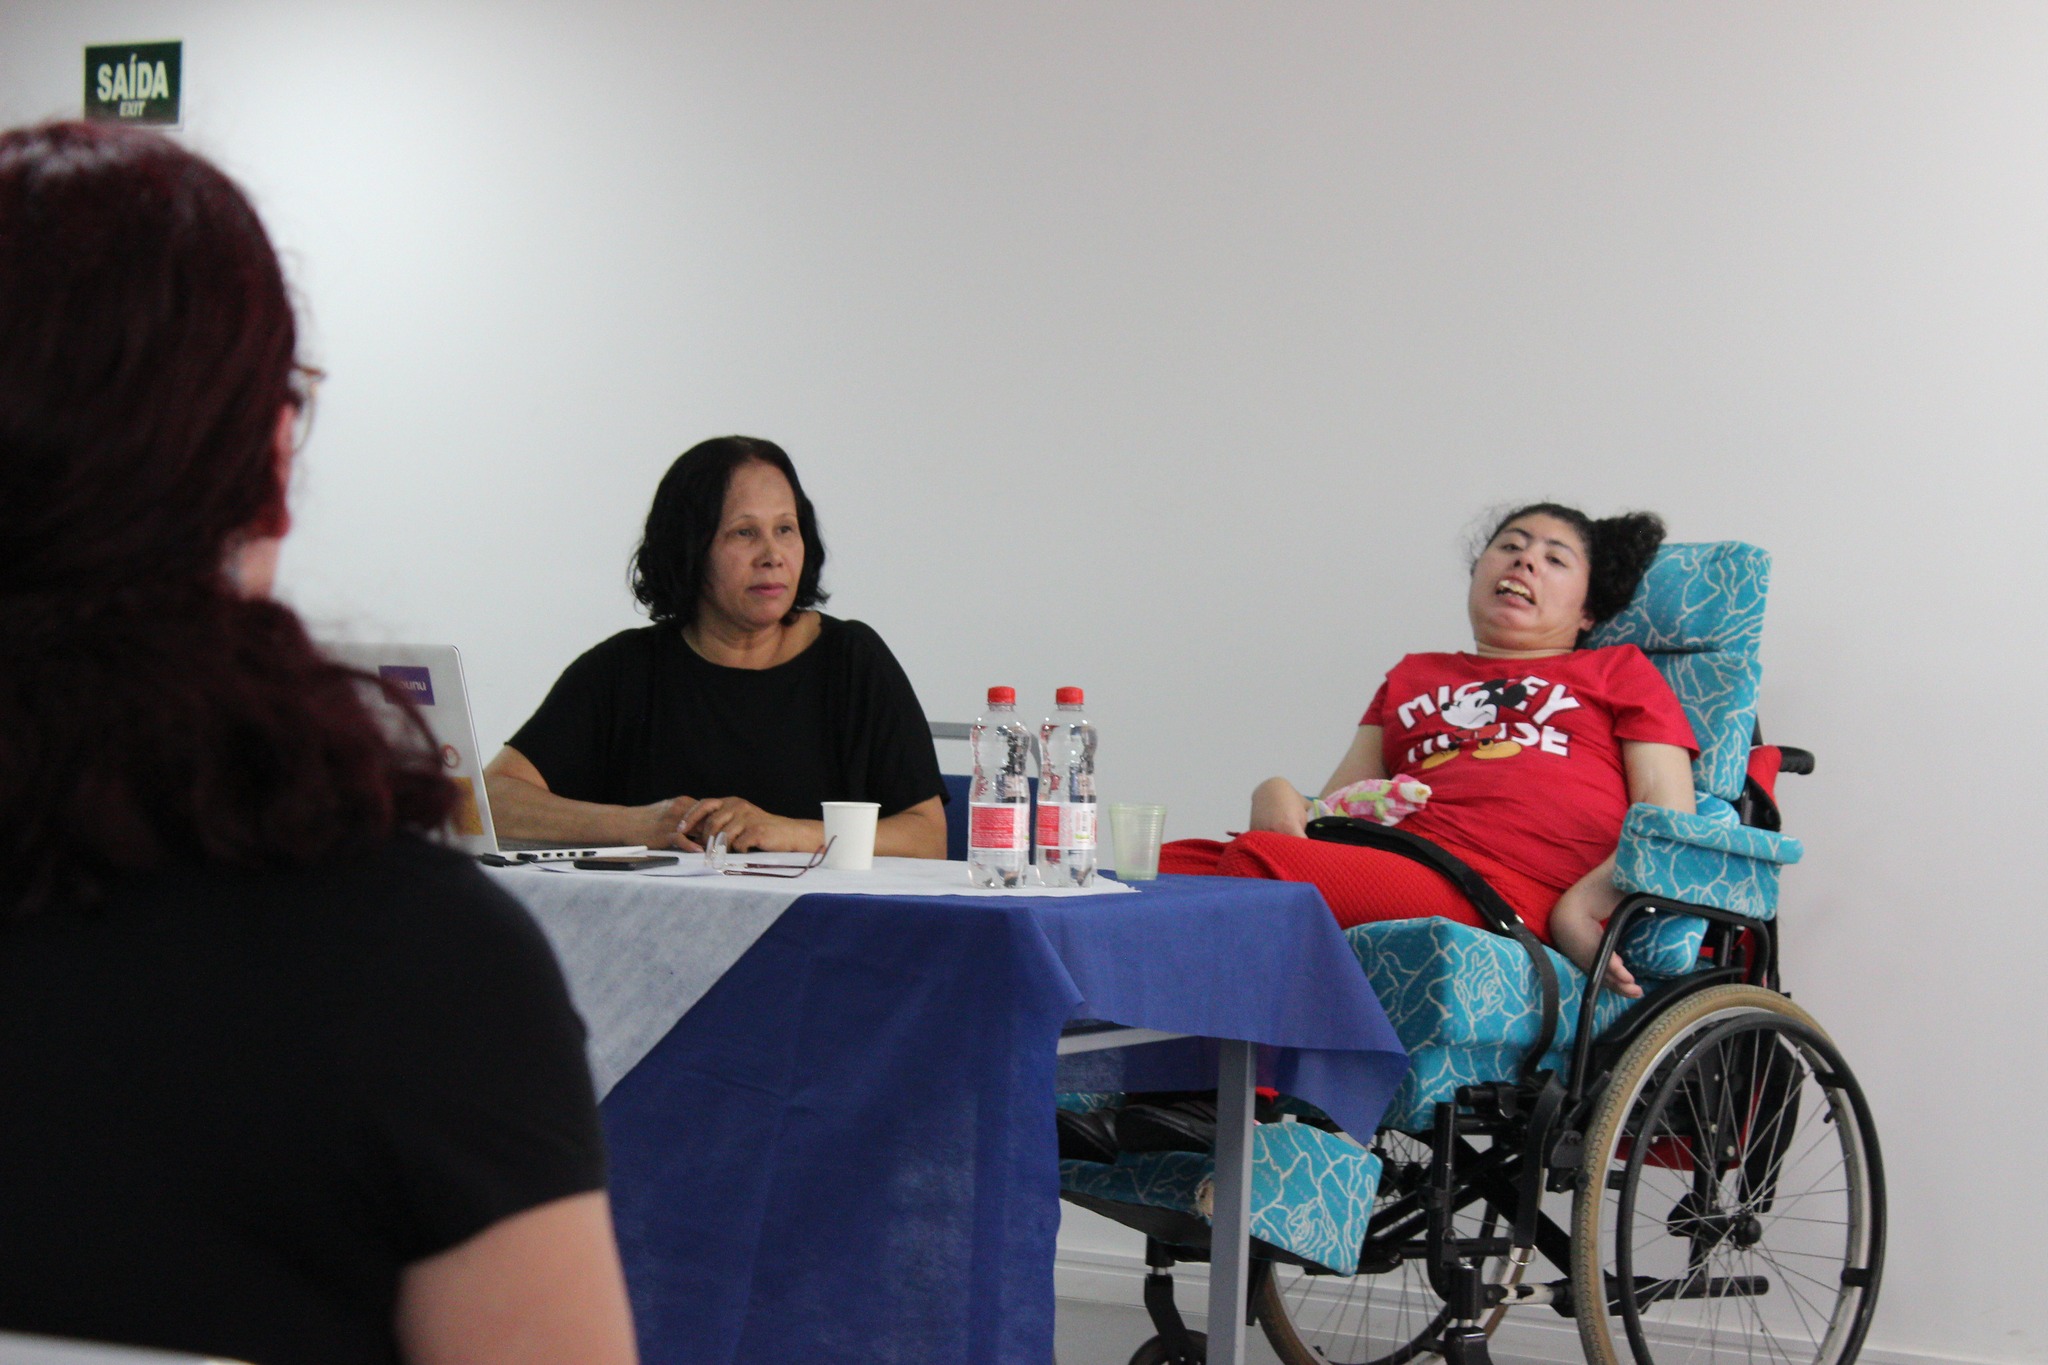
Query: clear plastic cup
[(1136, 831)]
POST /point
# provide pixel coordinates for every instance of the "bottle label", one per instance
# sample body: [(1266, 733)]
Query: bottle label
[(1061, 825), (997, 828)]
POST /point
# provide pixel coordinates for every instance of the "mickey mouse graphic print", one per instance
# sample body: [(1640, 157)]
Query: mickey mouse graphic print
[(1523, 756)]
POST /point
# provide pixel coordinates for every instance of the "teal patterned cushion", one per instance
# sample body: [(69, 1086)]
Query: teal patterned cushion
[(1702, 859), (1699, 615), (1448, 984), (1658, 945), (1467, 1006), (1312, 1191), (1087, 1101)]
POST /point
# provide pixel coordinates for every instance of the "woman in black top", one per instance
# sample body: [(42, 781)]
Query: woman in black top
[(741, 708), (279, 1080)]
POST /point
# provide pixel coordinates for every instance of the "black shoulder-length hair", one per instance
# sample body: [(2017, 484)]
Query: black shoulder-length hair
[(668, 567)]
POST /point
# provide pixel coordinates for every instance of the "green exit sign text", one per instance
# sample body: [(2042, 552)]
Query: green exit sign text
[(134, 82)]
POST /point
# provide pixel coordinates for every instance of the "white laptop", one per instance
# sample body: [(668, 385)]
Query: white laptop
[(431, 675)]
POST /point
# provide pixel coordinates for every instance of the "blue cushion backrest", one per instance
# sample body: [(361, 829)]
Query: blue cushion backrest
[(1699, 615)]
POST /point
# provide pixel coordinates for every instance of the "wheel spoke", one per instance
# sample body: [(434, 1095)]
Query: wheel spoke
[(1796, 1297)]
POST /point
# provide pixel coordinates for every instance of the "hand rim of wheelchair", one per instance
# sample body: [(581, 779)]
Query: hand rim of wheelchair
[(1645, 1085)]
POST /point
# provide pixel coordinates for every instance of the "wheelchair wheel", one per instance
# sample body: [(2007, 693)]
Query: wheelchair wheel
[(1731, 1206), (1155, 1352), (1388, 1318)]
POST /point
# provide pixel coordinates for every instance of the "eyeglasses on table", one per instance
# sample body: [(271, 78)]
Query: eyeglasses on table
[(718, 860)]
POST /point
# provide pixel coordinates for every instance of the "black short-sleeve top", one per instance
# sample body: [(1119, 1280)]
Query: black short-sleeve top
[(236, 1104), (643, 717)]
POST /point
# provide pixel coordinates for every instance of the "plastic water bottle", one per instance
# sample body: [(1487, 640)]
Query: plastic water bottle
[(999, 799), (1066, 794)]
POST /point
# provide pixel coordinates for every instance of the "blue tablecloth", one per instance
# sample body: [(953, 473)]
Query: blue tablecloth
[(845, 1152)]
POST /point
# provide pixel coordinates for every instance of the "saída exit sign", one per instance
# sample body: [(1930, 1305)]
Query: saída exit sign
[(134, 83)]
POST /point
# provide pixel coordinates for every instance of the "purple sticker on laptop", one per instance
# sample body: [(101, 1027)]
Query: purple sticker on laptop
[(417, 683)]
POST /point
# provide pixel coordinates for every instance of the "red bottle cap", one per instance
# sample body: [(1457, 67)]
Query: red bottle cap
[(1002, 696), (1067, 696)]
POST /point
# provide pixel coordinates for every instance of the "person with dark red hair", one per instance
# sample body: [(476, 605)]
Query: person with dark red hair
[(279, 1079)]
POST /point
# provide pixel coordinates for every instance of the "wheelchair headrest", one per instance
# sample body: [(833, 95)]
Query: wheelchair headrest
[(1699, 615)]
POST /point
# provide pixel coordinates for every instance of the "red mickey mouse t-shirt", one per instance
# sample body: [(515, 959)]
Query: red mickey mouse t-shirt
[(1523, 756)]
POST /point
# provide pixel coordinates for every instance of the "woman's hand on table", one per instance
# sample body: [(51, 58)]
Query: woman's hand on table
[(522, 807), (746, 827), (658, 823)]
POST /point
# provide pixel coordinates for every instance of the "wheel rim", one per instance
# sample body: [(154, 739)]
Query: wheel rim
[(1385, 1319), (1750, 1166)]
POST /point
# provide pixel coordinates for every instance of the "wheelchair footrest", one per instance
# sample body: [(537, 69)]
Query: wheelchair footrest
[(1311, 1194)]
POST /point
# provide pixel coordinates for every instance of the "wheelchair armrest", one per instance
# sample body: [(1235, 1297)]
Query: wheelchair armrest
[(1798, 762), (1698, 859), (1720, 834)]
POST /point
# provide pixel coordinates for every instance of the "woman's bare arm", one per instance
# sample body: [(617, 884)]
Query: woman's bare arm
[(919, 832), (522, 807), (1658, 775), (537, 1288), (1278, 806), (1362, 760)]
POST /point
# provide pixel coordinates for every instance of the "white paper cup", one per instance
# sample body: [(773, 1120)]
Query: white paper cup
[(850, 829)]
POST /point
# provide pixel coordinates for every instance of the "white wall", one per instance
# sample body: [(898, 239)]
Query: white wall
[(1168, 348)]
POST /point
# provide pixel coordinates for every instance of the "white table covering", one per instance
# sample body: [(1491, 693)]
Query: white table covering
[(640, 948)]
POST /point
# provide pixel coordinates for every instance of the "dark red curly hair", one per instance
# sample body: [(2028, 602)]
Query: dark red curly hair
[(149, 714)]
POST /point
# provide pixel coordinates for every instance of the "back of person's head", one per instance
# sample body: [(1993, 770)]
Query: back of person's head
[(148, 713), (669, 567), (1618, 551)]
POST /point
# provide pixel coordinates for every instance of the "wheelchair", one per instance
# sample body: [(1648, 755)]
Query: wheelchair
[(1691, 1177)]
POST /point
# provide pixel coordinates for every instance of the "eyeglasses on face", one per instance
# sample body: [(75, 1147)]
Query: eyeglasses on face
[(305, 392)]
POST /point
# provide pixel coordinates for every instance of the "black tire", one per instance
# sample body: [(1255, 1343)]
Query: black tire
[(1389, 1319), (1154, 1352), (1770, 1248)]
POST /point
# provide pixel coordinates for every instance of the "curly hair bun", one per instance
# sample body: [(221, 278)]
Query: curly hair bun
[(1621, 549)]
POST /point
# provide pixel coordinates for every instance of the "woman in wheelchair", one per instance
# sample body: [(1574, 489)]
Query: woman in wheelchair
[(1689, 1170), (1527, 750)]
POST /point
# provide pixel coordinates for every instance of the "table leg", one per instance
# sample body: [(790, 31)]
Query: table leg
[(1229, 1265)]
